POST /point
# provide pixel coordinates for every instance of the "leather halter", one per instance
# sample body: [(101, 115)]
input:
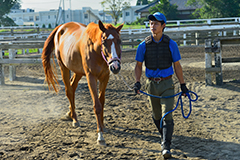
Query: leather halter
[(112, 59)]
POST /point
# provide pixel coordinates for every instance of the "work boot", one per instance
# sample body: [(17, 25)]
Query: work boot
[(167, 131), (166, 153), (157, 123)]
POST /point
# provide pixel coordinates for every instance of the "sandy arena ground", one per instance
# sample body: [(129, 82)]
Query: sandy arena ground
[(30, 125)]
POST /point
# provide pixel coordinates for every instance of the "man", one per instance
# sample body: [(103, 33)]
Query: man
[(159, 53)]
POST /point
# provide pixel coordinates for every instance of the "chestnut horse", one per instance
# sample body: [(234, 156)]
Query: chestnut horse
[(89, 51)]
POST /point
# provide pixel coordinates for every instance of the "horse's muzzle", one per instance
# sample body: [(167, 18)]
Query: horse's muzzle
[(115, 66)]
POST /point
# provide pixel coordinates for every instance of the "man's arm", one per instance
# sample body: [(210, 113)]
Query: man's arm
[(179, 74), (138, 71), (178, 71)]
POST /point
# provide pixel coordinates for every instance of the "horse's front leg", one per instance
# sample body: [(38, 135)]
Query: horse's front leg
[(102, 88), (97, 106)]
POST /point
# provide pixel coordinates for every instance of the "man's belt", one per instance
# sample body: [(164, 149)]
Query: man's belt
[(159, 79)]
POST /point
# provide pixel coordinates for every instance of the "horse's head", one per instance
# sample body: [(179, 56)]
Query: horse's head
[(110, 48)]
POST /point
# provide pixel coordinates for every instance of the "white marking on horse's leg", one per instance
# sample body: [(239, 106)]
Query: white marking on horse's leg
[(100, 139), (100, 136), (110, 36)]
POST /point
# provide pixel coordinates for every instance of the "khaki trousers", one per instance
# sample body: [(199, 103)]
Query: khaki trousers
[(163, 105)]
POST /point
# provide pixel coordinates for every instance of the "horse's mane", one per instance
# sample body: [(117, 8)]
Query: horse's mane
[(94, 32)]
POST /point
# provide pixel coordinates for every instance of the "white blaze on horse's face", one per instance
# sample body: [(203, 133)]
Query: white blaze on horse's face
[(113, 49), (114, 64)]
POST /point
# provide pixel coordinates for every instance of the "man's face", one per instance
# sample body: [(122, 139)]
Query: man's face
[(156, 27)]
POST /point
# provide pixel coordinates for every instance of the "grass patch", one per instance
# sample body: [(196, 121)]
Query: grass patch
[(127, 26), (19, 51)]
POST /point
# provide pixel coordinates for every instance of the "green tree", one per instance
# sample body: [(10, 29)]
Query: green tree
[(17, 5), (140, 21), (164, 6), (215, 8), (115, 7), (142, 2), (5, 7)]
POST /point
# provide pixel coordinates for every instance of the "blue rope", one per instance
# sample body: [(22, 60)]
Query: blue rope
[(179, 100)]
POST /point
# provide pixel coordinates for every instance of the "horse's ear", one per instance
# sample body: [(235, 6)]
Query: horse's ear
[(101, 26), (120, 27)]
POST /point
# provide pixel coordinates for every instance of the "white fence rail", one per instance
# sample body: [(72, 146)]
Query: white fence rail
[(200, 22)]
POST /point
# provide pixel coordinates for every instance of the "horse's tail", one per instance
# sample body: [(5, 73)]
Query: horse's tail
[(49, 70)]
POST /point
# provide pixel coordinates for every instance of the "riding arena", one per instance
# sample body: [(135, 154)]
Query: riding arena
[(94, 114)]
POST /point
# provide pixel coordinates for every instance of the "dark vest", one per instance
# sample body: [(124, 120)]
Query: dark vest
[(158, 55)]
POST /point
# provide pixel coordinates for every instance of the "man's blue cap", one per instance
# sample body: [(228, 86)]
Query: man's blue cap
[(157, 17)]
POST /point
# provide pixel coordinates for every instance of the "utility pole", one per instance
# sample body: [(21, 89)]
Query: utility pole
[(58, 14), (63, 12), (70, 6)]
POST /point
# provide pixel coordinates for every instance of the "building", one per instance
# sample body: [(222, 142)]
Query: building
[(185, 12), (130, 15), (52, 18), (106, 17)]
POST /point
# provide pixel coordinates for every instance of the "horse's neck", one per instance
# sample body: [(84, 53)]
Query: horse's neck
[(98, 47)]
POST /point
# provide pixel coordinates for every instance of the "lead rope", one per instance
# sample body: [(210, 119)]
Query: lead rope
[(179, 100)]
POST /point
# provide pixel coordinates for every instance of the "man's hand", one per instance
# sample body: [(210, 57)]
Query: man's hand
[(184, 89), (137, 87)]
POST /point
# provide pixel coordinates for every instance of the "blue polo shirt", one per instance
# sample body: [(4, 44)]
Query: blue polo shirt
[(158, 72)]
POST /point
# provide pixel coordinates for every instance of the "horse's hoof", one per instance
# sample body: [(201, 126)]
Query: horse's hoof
[(76, 124), (101, 142)]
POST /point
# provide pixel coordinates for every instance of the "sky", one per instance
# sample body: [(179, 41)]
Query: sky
[(46, 5)]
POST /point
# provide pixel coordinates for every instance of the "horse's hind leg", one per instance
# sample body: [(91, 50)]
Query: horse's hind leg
[(70, 87), (74, 83)]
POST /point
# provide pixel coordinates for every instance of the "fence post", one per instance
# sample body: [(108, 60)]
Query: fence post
[(12, 68), (178, 23), (40, 50), (12, 30), (1, 56), (1, 70), (146, 24), (131, 40), (208, 21), (224, 33), (218, 64), (234, 32), (208, 62), (196, 37), (38, 30), (184, 39), (220, 33), (1, 75), (23, 51)]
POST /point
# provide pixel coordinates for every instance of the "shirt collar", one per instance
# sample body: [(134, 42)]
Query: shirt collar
[(159, 40)]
